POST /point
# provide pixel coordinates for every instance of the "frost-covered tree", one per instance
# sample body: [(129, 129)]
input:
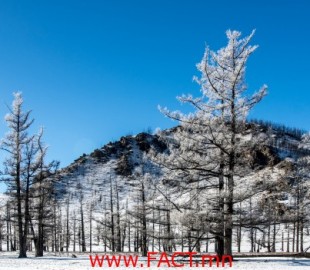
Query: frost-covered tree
[(42, 195), (14, 144), (26, 176), (142, 194), (210, 145)]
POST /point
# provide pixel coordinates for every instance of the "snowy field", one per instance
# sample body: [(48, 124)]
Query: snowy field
[(51, 262)]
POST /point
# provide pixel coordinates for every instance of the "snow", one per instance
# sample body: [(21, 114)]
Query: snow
[(52, 262)]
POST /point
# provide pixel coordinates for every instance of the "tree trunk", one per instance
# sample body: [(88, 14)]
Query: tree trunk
[(144, 248), (74, 233), (21, 238), (8, 218), (83, 242), (229, 216), (39, 246), (288, 240), (67, 227), (105, 225), (207, 243), (282, 242), (153, 228), (297, 234), (302, 235), (112, 218), (220, 237), (169, 236), (118, 222), (90, 229), (129, 243), (294, 233), (269, 229), (274, 237), (189, 240)]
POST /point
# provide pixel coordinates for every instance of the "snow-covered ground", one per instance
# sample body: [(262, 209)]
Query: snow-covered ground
[(51, 262)]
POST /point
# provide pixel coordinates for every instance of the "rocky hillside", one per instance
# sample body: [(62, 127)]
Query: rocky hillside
[(124, 154), (129, 156)]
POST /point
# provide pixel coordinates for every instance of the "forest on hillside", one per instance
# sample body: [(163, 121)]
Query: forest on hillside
[(218, 182)]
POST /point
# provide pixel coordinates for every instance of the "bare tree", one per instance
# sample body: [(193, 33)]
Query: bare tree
[(14, 144)]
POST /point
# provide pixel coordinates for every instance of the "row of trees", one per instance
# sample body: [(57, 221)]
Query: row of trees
[(144, 218)]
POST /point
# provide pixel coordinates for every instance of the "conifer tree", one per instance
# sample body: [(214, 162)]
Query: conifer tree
[(208, 148)]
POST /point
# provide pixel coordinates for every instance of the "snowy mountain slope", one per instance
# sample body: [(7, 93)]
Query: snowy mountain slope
[(124, 159), (117, 173)]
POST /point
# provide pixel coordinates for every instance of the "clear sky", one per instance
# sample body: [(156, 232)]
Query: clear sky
[(93, 71)]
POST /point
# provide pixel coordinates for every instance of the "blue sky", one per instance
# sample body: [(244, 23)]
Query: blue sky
[(92, 71)]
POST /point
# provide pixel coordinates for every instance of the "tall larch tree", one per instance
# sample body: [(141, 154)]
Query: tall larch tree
[(217, 123)]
